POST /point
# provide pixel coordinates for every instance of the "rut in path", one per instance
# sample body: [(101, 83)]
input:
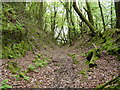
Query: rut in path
[(63, 72), (66, 73)]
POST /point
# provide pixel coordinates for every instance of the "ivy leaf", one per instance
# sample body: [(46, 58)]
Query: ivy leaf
[(5, 81)]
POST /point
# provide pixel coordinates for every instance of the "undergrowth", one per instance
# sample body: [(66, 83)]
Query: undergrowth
[(73, 56), (13, 67), (15, 50), (108, 42), (14, 44), (40, 61), (5, 85)]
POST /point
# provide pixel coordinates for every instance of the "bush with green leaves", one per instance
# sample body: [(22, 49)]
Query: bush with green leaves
[(111, 48)]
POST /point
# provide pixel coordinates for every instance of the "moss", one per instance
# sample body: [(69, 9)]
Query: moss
[(92, 56)]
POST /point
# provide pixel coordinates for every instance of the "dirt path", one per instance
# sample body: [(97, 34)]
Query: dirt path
[(63, 72)]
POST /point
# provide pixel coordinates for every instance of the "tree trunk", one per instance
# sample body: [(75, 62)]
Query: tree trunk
[(53, 22), (92, 28), (68, 22), (71, 26), (72, 22), (90, 16), (117, 9), (111, 14), (101, 14), (41, 13)]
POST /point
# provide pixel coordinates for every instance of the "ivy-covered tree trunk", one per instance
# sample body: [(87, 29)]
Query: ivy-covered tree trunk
[(117, 9)]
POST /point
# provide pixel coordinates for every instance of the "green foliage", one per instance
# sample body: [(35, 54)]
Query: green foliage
[(13, 34), (31, 67), (83, 72), (105, 43), (15, 51), (12, 30), (111, 37), (21, 76), (41, 60), (73, 56), (13, 66), (39, 55), (39, 64), (4, 85), (111, 47)]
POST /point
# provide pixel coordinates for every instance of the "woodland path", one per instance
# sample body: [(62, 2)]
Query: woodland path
[(61, 72)]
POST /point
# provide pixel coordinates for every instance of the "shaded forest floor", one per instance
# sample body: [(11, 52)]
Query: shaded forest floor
[(62, 71)]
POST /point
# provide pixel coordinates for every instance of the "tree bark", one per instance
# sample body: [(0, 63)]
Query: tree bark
[(117, 9)]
